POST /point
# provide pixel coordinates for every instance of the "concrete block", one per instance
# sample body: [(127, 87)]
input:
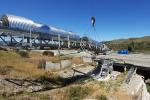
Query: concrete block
[(49, 65), (87, 59), (65, 63)]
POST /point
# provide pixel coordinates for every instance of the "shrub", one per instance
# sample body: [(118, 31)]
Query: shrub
[(40, 96), (77, 93), (23, 54), (5, 69), (148, 87), (50, 79), (42, 64), (4, 49), (48, 53), (130, 48), (102, 97)]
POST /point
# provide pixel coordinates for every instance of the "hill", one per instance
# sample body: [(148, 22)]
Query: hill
[(141, 44)]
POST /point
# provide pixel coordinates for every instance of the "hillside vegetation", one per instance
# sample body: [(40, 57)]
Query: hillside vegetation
[(132, 44)]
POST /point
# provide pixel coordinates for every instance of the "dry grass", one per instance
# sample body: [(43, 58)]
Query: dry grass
[(26, 96), (77, 92), (110, 89), (28, 67), (120, 95), (91, 89), (77, 60), (36, 56), (23, 67)]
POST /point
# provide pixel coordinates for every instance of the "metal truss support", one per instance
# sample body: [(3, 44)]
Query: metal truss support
[(106, 68), (4, 40), (23, 40), (89, 45), (30, 39), (20, 42), (13, 39), (59, 41), (46, 41), (33, 40), (68, 42), (130, 73)]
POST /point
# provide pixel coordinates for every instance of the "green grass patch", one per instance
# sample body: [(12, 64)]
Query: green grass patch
[(148, 87), (78, 92), (101, 97), (5, 69), (141, 45), (23, 54), (25, 96), (48, 53), (40, 96)]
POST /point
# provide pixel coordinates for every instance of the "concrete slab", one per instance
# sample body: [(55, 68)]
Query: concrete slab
[(137, 87), (135, 59)]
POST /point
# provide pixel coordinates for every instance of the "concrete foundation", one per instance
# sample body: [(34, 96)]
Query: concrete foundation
[(56, 66), (87, 59)]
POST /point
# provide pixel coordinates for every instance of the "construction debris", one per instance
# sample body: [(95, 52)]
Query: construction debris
[(105, 67), (131, 72)]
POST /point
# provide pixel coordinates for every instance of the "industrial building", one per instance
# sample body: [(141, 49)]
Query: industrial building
[(33, 34)]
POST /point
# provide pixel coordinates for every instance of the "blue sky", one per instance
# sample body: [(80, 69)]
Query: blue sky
[(114, 18)]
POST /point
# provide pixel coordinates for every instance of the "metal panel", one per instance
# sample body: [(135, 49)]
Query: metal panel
[(1, 23)]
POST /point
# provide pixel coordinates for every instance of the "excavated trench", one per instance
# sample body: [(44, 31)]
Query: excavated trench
[(145, 73), (142, 72), (82, 77), (49, 83)]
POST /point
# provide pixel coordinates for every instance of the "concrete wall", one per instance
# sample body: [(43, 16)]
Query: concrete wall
[(56, 66)]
